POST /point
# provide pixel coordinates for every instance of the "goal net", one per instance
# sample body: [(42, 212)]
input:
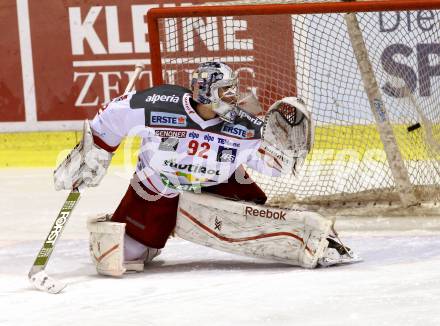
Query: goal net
[(370, 78)]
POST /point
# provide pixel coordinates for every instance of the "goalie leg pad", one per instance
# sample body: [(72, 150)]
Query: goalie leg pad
[(107, 245), (110, 247), (291, 237)]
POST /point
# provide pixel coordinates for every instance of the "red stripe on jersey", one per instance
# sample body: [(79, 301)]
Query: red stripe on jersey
[(99, 142)]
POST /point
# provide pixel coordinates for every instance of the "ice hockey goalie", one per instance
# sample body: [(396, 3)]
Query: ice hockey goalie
[(190, 165)]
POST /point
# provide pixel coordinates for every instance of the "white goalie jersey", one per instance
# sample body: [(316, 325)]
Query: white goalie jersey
[(180, 150)]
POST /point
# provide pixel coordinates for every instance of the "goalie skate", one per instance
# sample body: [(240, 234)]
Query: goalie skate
[(336, 254)]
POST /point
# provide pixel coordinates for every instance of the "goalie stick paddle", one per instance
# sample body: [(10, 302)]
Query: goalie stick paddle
[(37, 275)]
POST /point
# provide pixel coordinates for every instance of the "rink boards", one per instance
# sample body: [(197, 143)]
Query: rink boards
[(332, 143)]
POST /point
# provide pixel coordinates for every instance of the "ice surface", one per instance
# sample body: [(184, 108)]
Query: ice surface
[(397, 284)]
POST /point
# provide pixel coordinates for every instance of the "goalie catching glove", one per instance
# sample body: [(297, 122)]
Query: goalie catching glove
[(86, 164), (288, 134)]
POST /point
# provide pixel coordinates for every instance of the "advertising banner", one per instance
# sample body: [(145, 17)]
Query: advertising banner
[(76, 56), (11, 90), (62, 60)]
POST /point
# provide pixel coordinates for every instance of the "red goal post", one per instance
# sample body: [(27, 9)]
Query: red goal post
[(377, 144)]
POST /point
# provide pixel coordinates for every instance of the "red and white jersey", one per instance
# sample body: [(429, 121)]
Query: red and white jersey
[(180, 150)]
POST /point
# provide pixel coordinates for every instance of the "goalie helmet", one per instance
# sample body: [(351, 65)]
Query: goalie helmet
[(216, 83)]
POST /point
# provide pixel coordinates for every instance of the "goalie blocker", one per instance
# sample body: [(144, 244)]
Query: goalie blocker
[(291, 237)]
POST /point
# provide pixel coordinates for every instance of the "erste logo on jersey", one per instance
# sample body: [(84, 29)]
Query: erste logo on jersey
[(167, 119), (238, 131), (226, 154), (162, 98)]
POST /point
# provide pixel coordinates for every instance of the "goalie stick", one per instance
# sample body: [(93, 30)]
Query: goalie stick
[(37, 275)]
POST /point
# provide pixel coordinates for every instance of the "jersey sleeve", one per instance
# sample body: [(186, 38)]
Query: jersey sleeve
[(117, 120), (265, 163)]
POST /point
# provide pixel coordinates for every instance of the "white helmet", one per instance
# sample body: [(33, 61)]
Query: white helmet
[(208, 79)]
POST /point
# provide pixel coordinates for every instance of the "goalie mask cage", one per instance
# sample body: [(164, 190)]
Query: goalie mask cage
[(369, 72)]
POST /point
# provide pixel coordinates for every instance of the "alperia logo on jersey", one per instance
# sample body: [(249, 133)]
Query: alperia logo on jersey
[(238, 131), (162, 98), (167, 119)]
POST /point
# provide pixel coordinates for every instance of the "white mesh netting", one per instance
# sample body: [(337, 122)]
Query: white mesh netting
[(311, 56)]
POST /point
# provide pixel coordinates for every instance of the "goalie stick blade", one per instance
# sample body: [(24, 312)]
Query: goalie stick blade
[(43, 282)]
